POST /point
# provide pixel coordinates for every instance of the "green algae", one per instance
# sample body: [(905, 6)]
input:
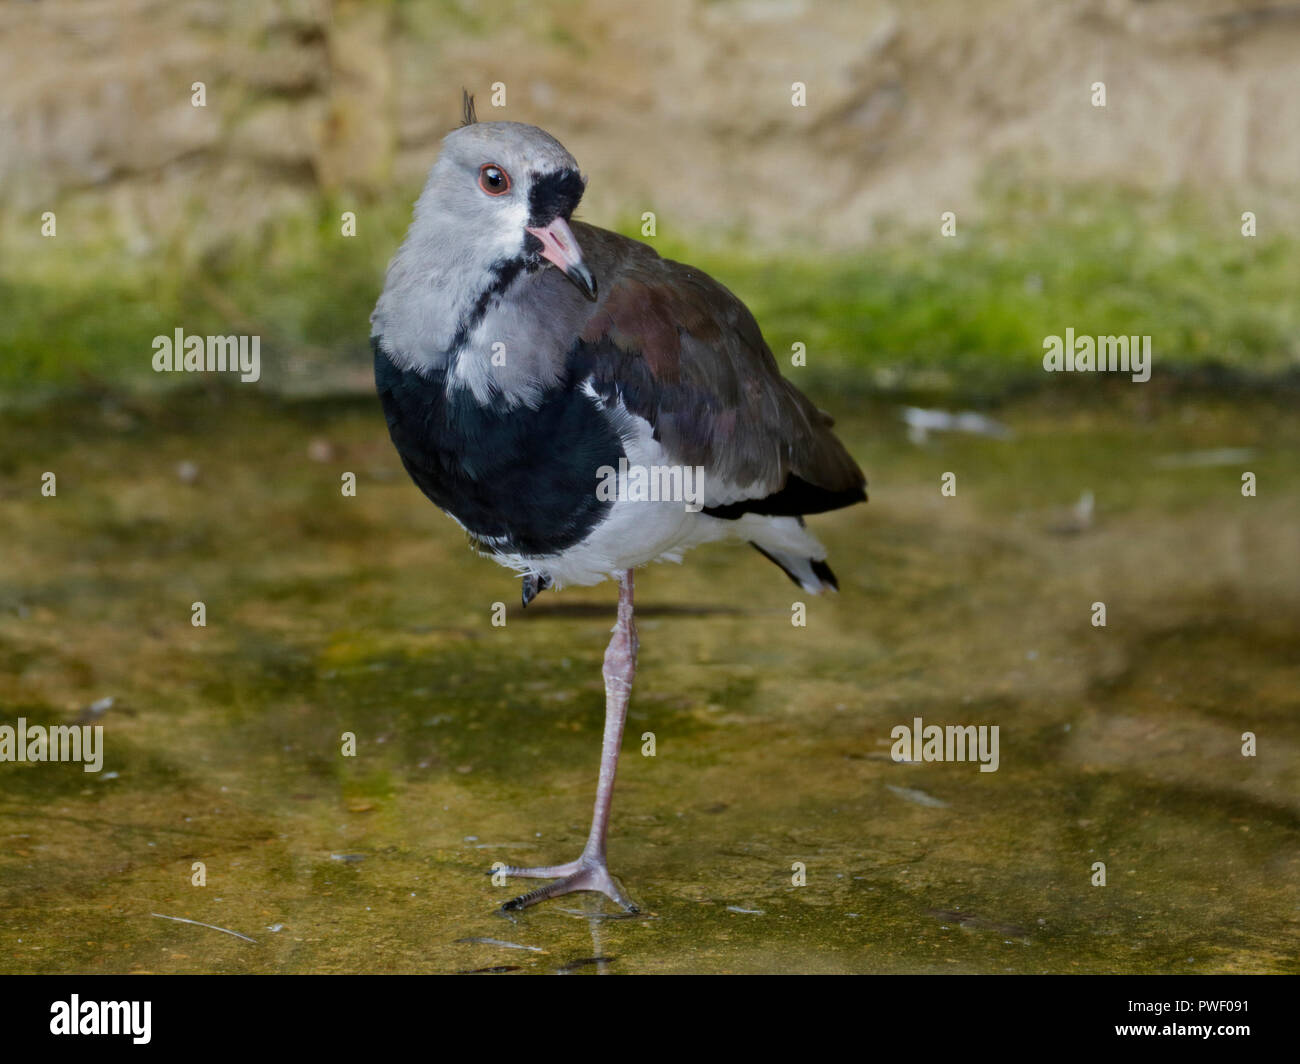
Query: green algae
[(329, 615)]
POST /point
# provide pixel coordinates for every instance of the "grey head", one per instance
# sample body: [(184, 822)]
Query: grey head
[(492, 219)]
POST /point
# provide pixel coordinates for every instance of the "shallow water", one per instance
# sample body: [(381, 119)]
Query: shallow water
[(369, 615)]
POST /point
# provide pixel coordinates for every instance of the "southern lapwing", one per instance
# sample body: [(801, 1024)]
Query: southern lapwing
[(513, 389)]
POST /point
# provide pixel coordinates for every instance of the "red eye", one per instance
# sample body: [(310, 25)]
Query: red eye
[(493, 180)]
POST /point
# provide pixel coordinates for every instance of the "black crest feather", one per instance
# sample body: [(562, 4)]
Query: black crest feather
[(467, 101)]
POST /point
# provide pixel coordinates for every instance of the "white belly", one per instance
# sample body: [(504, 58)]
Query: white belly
[(637, 531)]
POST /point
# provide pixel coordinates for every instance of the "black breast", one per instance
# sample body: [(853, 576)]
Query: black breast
[(525, 477)]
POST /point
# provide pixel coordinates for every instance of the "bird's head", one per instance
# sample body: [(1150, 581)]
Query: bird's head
[(507, 190)]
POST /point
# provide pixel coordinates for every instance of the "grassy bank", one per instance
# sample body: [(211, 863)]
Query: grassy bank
[(915, 310)]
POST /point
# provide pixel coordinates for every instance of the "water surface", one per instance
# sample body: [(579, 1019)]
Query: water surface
[(328, 614)]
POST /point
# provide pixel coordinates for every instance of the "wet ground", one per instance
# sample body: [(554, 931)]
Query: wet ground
[(329, 614)]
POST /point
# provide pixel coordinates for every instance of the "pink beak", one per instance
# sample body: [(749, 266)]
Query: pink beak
[(561, 248)]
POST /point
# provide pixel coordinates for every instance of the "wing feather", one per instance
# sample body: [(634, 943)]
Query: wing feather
[(678, 349)]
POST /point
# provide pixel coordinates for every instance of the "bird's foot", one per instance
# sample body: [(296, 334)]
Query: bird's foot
[(534, 584), (586, 873)]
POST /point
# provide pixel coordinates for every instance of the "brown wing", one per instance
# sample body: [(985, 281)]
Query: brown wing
[(681, 351)]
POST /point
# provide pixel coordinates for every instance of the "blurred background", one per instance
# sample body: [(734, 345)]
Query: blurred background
[(825, 217), (366, 614)]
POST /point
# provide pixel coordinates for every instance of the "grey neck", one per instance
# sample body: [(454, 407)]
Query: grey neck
[(504, 338)]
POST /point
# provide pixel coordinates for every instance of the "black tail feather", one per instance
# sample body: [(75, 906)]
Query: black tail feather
[(820, 569), (825, 574)]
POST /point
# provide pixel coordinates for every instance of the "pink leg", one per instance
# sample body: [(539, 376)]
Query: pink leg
[(590, 871)]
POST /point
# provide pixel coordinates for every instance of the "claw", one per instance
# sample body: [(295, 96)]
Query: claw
[(585, 873), (534, 584)]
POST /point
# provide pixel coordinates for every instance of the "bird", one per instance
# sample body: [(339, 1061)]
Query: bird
[(536, 372)]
